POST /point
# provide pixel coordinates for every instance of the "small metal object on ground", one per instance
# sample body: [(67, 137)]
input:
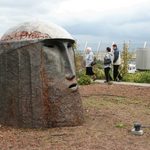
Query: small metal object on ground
[(140, 132), (137, 129)]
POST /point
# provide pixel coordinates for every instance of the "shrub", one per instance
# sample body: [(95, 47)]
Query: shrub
[(79, 61), (145, 77), (129, 78), (138, 77), (80, 73), (99, 64), (84, 80), (99, 73)]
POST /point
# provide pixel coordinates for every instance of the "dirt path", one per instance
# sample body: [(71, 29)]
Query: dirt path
[(110, 112)]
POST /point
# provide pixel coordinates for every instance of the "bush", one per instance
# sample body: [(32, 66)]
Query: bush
[(128, 78), (80, 73), (138, 77), (145, 77), (79, 61), (84, 80), (99, 64), (99, 73)]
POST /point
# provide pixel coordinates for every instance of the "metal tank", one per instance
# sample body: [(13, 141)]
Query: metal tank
[(38, 86), (143, 59)]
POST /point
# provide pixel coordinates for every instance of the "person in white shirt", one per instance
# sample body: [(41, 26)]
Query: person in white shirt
[(89, 58)]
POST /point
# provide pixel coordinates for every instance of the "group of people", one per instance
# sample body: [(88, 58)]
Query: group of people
[(112, 61)]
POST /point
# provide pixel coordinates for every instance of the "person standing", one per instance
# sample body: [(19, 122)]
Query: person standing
[(108, 60), (89, 58), (116, 63)]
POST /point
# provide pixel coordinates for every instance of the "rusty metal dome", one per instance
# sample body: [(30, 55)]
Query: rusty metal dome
[(35, 30)]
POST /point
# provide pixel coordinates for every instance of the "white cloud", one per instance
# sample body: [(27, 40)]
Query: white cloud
[(99, 18), (91, 10)]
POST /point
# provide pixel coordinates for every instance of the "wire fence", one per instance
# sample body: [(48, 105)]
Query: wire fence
[(101, 46)]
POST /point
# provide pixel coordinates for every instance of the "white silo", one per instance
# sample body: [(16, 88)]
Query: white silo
[(143, 59)]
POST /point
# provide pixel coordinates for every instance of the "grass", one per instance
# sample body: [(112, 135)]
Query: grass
[(109, 119), (109, 101), (132, 106), (96, 102), (120, 125)]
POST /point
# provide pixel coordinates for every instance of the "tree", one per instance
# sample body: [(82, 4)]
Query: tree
[(125, 58)]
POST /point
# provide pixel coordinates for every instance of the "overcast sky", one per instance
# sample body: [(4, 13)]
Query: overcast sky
[(91, 20)]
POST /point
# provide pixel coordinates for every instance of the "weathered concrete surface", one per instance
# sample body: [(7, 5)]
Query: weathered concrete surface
[(35, 30), (38, 85)]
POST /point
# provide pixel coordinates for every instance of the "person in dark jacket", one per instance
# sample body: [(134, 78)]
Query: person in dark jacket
[(108, 61), (116, 63)]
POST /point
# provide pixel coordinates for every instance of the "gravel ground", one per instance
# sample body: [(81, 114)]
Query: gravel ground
[(110, 111)]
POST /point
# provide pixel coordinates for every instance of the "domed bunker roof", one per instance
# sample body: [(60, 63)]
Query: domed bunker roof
[(35, 30)]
